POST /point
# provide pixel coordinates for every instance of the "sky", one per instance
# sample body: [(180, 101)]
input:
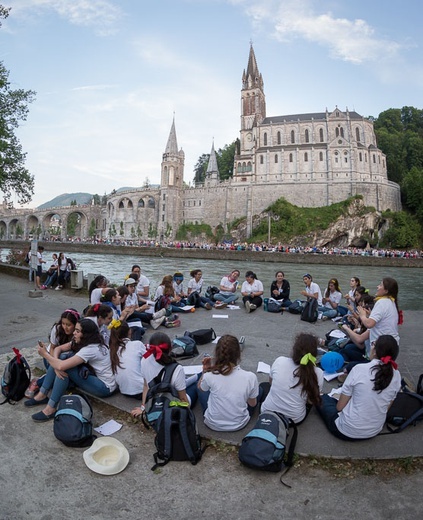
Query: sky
[(110, 76)]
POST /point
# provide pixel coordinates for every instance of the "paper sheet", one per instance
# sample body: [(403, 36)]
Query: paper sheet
[(232, 307), (330, 375), (263, 367), (109, 427), (187, 307), (189, 370), (216, 339), (224, 316)]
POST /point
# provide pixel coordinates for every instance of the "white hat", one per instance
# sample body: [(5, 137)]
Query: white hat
[(106, 456), (130, 281)]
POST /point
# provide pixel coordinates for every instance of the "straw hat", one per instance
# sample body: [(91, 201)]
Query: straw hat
[(106, 456)]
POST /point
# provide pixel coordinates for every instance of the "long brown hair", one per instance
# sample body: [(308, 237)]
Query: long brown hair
[(226, 355), (117, 343), (307, 378)]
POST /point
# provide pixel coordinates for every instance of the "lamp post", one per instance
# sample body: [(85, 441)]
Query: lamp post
[(269, 216)]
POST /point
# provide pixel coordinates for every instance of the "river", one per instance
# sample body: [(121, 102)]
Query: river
[(116, 266)]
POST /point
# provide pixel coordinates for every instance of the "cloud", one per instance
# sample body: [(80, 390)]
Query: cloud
[(101, 15), (353, 41)]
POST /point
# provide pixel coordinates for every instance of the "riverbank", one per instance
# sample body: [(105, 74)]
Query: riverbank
[(221, 254)]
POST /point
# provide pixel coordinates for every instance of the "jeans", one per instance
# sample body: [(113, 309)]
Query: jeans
[(93, 385), (51, 279), (326, 311), (329, 414), (226, 298)]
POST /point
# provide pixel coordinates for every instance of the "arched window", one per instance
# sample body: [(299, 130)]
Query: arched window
[(342, 132), (261, 159), (265, 139), (292, 136), (374, 158), (243, 166), (121, 205), (337, 132), (360, 156), (279, 138), (249, 167), (357, 134), (321, 156), (321, 135), (307, 136), (239, 169), (151, 202), (291, 158), (306, 157), (140, 203), (276, 159)]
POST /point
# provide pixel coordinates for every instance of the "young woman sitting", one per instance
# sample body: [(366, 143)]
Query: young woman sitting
[(331, 300), (157, 357), (126, 356), (365, 396), (227, 288), (87, 347), (227, 393), (252, 292), (295, 383), (280, 289), (101, 315)]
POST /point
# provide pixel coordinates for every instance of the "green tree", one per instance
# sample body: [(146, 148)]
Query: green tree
[(412, 188), (404, 231), (92, 230), (121, 232), (139, 231), (200, 168), (96, 200), (14, 177), (73, 221), (133, 232), (225, 160)]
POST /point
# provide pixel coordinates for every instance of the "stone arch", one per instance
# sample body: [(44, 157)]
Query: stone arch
[(151, 203), (141, 203), (3, 229)]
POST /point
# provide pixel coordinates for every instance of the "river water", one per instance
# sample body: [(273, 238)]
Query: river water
[(115, 267)]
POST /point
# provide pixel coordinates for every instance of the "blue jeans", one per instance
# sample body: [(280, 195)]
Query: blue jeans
[(93, 385), (329, 313), (51, 279), (329, 414), (226, 298)]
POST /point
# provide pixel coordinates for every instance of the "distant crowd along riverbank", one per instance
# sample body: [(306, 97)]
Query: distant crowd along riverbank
[(243, 252)]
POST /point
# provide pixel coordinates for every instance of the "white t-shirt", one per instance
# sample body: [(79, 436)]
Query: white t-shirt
[(385, 315), (128, 376), (178, 288), (313, 289), (227, 405), (150, 369), (195, 286), (256, 286), (283, 397), (104, 331), (143, 281), (365, 413), (96, 295), (98, 356), (131, 299), (334, 297), (225, 282)]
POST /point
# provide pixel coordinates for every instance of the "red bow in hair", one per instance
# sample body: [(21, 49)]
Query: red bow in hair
[(17, 354), (96, 306), (387, 359), (157, 350)]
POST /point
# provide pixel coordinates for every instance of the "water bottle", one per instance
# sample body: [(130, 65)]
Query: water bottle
[(265, 302)]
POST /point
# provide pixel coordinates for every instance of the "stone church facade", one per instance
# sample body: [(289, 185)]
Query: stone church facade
[(311, 160)]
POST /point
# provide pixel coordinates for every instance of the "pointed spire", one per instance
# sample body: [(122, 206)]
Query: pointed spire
[(252, 77), (212, 167), (172, 143)]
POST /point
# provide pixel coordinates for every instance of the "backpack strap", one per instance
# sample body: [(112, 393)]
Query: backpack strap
[(182, 422), (290, 455)]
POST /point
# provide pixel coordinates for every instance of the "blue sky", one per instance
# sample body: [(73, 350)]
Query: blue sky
[(111, 74)]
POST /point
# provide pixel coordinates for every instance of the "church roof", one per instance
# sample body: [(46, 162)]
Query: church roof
[(212, 166), (172, 143), (316, 116)]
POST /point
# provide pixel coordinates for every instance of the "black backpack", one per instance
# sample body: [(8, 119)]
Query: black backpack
[(309, 312), (264, 447), (202, 336), (211, 291), (177, 435), (184, 347), (73, 421), (16, 378), (159, 395), (407, 408), (296, 307)]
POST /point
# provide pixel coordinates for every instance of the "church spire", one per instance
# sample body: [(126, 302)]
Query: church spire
[(212, 167), (172, 143), (252, 77)]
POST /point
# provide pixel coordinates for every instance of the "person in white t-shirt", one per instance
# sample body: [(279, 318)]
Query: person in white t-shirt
[(312, 290), (98, 287), (295, 383), (126, 356), (227, 393), (331, 300), (227, 288), (154, 360), (252, 292), (366, 395), (89, 348), (143, 288)]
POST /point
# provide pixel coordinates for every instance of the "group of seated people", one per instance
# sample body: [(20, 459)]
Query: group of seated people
[(98, 354)]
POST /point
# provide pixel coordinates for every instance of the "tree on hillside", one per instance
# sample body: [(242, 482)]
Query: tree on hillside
[(225, 163), (200, 168), (14, 177)]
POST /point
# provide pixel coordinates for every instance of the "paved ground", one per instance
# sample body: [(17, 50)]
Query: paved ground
[(41, 479)]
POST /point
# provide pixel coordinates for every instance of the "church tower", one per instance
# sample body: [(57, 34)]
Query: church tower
[(212, 173), (172, 178)]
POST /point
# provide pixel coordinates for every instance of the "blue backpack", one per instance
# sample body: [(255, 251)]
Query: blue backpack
[(265, 446), (73, 421)]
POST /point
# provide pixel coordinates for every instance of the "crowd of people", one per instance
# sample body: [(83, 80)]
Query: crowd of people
[(100, 350)]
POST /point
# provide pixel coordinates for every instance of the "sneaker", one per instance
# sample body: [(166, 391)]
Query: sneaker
[(325, 318), (32, 388), (155, 323), (159, 314), (43, 287), (248, 306), (58, 288), (208, 307), (174, 317), (220, 305), (171, 324), (253, 307)]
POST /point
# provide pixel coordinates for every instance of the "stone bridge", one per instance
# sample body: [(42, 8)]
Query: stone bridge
[(52, 222)]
